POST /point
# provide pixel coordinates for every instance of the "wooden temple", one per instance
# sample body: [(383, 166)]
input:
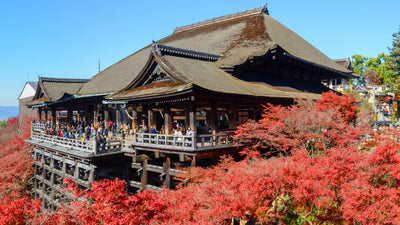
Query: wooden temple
[(207, 77)]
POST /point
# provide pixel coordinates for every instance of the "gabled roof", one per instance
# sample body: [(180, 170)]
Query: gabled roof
[(236, 38), (345, 62), (188, 71), (54, 89), (28, 85)]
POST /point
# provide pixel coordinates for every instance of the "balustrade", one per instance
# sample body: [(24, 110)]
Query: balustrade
[(178, 142)]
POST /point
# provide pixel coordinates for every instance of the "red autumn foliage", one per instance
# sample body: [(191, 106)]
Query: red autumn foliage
[(15, 160), (345, 105), (315, 128), (332, 177)]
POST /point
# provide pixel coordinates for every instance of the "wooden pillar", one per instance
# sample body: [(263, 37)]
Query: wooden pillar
[(76, 171), (95, 122), (233, 118), (52, 181), (34, 176), (117, 117), (86, 115), (53, 118), (135, 119), (167, 118), (192, 117), (64, 167), (43, 177), (167, 166), (144, 112), (193, 163), (124, 118), (214, 125), (91, 173), (144, 175), (69, 117), (39, 114), (150, 117), (106, 118), (46, 115)]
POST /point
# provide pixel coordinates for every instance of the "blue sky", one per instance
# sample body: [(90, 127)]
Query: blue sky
[(68, 38)]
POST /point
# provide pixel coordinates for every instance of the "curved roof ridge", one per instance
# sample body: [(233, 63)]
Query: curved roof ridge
[(62, 80), (262, 9), (183, 52)]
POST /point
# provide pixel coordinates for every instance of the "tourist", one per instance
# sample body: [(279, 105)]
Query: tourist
[(178, 133), (145, 129), (152, 129)]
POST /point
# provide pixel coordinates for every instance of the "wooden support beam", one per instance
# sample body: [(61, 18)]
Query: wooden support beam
[(35, 187), (69, 117), (167, 167), (144, 116), (76, 171), (193, 164), (95, 112), (86, 115), (106, 118), (91, 173), (192, 117), (53, 118), (214, 124), (150, 117), (52, 186), (167, 119), (144, 175), (39, 114), (134, 119)]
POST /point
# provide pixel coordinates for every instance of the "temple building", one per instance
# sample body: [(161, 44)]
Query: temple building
[(173, 104)]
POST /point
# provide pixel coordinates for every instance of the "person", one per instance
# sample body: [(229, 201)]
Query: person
[(110, 124), (127, 129), (101, 141), (189, 132), (114, 129), (145, 129), (87, 133), (178, 133), (66, 134), (162, 131), (152, 130)]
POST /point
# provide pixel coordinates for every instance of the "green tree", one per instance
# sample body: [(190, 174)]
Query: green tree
[(358, 63), (371, 68), (393, 79), (3, 124)]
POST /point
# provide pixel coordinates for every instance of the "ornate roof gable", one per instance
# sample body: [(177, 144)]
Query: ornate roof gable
[(155, 71)]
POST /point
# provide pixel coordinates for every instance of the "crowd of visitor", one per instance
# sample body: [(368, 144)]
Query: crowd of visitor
[(86, 132)]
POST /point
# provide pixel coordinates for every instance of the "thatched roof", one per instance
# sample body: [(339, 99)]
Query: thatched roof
[(236, 38)]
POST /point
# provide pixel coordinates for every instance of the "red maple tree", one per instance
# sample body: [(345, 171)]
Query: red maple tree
[(333, 171)]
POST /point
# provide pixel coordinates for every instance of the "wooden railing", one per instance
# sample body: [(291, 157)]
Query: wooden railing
[(64, 142), (91, 146), (183, 142), (38, 127), (178, 142)]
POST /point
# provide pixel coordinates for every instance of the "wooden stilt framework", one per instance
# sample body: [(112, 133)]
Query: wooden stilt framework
[(51, 168)]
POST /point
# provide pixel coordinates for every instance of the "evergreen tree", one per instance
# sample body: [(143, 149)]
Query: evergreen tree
[(395, 63), (395, 53)]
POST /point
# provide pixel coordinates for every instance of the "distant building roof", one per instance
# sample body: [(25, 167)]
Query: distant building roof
[(53, 89), (28, 90)]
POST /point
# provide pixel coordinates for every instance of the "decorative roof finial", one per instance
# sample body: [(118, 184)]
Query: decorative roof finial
[(265, 9)]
